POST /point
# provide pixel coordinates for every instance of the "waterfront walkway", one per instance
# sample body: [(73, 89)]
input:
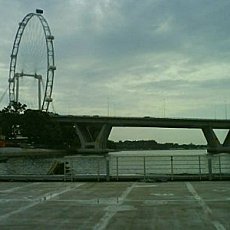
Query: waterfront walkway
[(115, 205)]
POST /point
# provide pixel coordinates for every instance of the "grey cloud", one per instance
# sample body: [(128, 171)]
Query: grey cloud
[(132, 53)]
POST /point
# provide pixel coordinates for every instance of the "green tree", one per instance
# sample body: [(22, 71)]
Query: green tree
[(10, 119), (15, 107)]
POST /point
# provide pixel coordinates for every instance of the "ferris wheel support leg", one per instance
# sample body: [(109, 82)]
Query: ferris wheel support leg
[(17, 88), (39, 94)]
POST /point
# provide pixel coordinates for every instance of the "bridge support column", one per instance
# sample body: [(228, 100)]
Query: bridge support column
[(211, 137), (93, 137), (107, 159), (227, 140), (210, 167), (214, 145)]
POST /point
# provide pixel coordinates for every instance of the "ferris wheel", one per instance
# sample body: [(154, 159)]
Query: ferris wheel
[(32, 66)]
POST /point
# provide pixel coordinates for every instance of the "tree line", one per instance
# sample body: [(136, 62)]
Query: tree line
[(36, 126), (150, 145)]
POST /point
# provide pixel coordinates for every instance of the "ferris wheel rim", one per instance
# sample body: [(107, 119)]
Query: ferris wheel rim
[(50, 67)]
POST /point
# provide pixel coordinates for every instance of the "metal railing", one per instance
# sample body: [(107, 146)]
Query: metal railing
[(150, 167), (155, 166), (119, 167)]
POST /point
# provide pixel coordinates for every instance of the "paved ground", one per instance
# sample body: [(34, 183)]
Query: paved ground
[(115, 205)]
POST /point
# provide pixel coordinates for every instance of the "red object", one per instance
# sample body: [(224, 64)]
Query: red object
[(2, 143)]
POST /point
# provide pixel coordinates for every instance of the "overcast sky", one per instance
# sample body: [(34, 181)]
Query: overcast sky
[(159, 58)]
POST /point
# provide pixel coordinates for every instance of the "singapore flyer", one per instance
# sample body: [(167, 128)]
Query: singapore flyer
[(32, 66)]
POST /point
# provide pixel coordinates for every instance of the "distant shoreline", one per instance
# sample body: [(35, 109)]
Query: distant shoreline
[(152, 145)]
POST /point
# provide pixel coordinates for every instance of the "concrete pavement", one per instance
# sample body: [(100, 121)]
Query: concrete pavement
[(115, 205)]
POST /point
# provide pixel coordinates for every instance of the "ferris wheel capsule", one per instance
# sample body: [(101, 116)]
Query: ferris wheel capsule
[(48, 99), (39, 11), (51, 37), (52, 67)]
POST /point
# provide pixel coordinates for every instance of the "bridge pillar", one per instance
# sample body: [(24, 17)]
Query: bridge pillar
[(93, 136), (214, 145), (211, 137), (227, 140)]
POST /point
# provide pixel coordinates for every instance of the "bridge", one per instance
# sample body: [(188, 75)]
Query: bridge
[(93, 131)]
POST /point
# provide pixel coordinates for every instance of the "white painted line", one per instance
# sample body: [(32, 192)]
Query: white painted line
[(89, 201), (162, 194), (218, 225), (103, 222), (146, 186), (204, 206), (112, 210), (19, 187), (126, 192), (39, 200), (202, 203)]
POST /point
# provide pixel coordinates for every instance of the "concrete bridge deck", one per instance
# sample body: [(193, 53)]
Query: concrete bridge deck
[(94, 131), (145, 121), (115, 205)]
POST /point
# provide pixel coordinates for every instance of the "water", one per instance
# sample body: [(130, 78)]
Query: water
[(178, 152), (159, 162)]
